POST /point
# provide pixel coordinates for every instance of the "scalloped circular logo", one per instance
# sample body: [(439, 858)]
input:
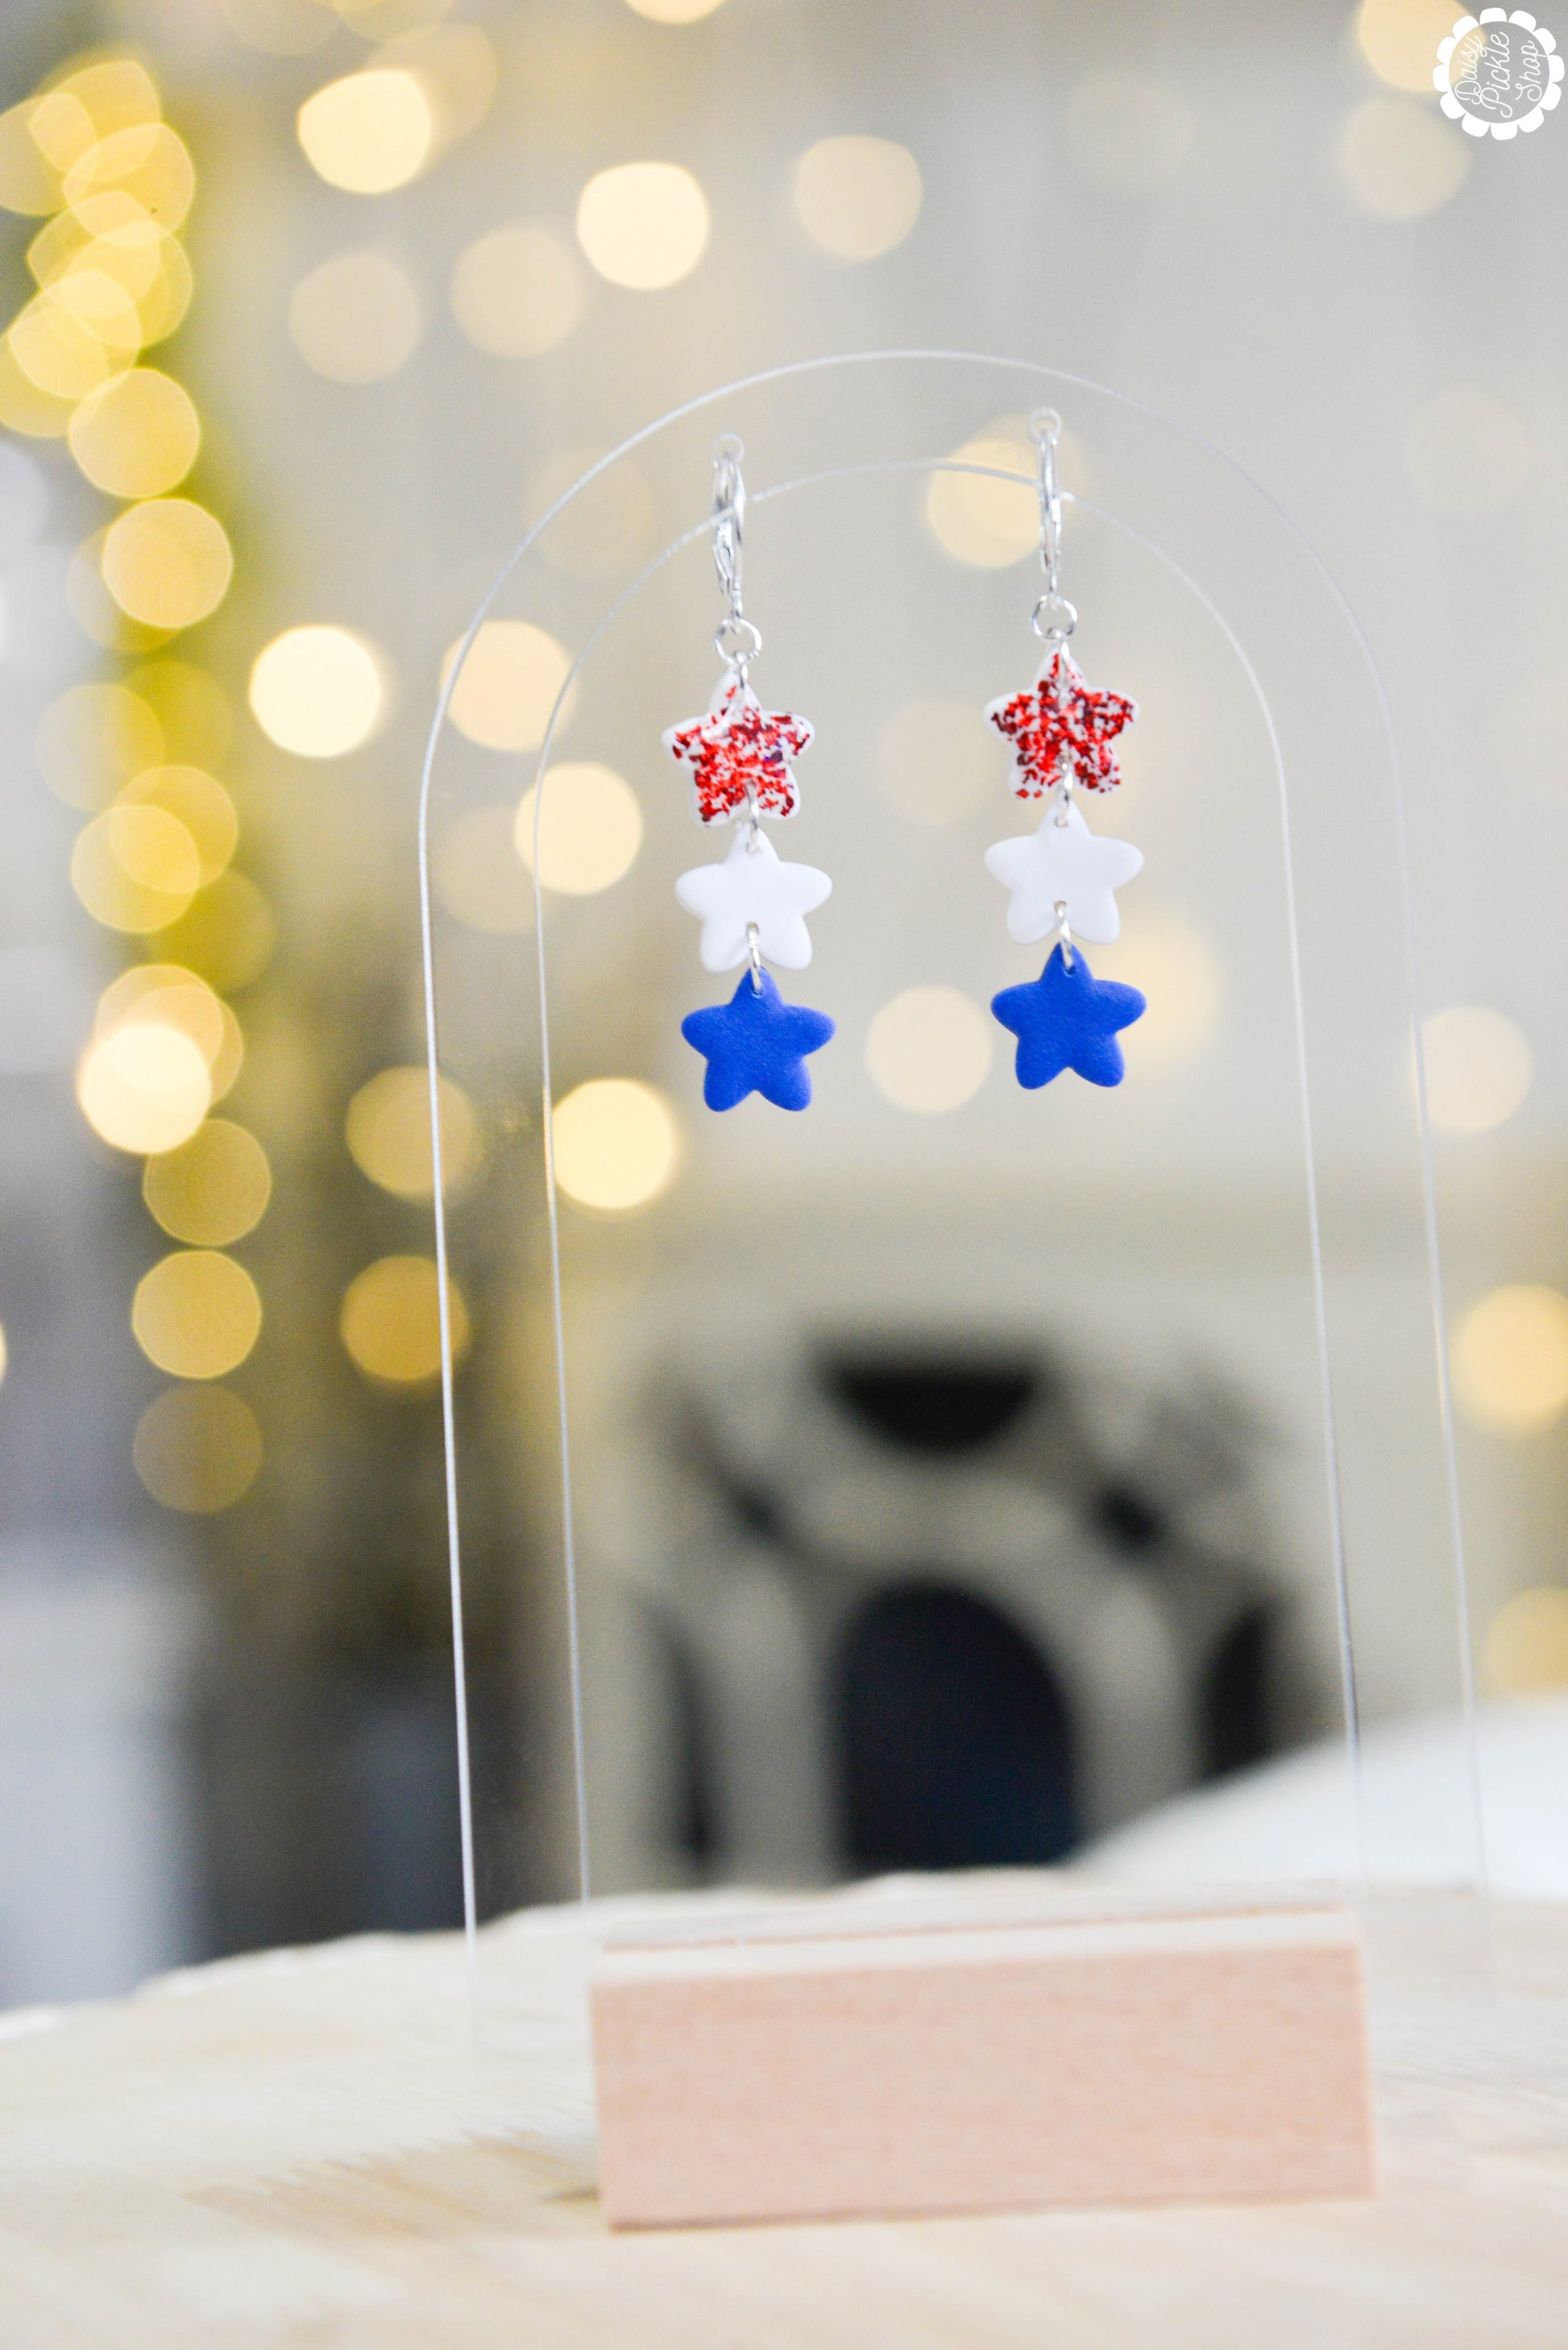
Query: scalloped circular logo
[(1497, 74)]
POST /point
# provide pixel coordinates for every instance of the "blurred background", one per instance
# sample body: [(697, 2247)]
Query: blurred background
[(934, 1510)]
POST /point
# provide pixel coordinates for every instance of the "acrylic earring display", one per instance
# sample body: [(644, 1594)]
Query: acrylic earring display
[(949, 1477)]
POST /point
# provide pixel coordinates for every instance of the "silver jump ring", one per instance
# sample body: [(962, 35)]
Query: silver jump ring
[(737, 641), (1054, 619), (754, 955), (1065, 928)]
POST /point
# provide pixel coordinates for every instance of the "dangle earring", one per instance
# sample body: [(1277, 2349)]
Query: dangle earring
[(1062, 876), (751, 906)]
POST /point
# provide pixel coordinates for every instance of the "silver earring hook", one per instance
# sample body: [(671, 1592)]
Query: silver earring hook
[(1054, 619), (1045, 431), (735, 641)]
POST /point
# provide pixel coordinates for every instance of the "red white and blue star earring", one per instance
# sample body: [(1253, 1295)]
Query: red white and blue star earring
[(1062, 876), (752, 905)]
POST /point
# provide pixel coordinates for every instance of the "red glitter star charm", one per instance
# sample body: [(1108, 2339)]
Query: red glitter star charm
[(739, 753), (1061, 730)]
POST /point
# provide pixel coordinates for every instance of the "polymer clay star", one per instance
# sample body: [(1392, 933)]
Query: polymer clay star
[(1061, 727), (739, 752), (1062, 860), (756, 1044), (1068, 1019), (754, 885)]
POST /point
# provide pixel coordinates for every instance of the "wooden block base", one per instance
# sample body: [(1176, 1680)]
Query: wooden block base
[(785, 2071)]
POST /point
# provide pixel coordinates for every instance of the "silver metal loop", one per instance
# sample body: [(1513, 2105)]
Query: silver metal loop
[(1064, 933), (754, 955), (737, 641), (1054, 619)]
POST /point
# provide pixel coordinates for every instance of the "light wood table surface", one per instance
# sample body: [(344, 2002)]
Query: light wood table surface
[(302, 2149)]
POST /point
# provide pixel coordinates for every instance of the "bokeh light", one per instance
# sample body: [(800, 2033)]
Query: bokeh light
[(62, 129), (674, 12), (1526, 1648), (147, 162), (390, 1321), (608, 527), (590, 829), (388, 1130), (319, 691), (1126, 139), (212, 1190), (196, 1315), (144, 1088), (518, 291), (988, 524), (1478, 1068), (355, 318), (1400, 39), (617, 1144), (94, 740), (478, 875), (167, 995), (116, 93), (1178, 970), (1467, 453), (69, 347), (929, 1049), (369, 133), (197, 1448), (936, 762), (227, 935), (101, 306), (507, 686), (138, 436), (198, 802), (1510, 1359), (135, 868), (644, 225), (167, 562), (1399, 160), (858, 197), (110, 238)]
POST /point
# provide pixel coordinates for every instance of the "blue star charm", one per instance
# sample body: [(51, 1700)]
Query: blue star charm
[(1068, 1019), (756, 1044)]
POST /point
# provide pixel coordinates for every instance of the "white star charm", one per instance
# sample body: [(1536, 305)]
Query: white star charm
[(1064, 861), (752, 886)]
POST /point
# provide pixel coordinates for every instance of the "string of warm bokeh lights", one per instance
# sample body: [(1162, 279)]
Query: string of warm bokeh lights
[(91, 157)]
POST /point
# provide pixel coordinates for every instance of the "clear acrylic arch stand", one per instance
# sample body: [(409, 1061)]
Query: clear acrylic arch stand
[(1221, 1281)]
